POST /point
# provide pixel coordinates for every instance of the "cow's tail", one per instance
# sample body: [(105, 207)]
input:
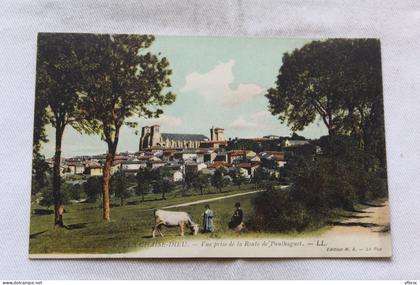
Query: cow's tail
[(154, 212)]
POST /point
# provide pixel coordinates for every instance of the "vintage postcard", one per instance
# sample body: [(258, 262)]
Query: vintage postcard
[(155, 146)]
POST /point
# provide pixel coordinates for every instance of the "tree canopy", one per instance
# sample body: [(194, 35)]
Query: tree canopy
[(56, 99), (121, 82), (337, 80)]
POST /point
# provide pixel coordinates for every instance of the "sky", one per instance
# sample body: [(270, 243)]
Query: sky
[(218, 82)]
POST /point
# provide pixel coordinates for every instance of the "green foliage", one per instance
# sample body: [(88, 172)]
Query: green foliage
[(119, 186), (121, 81), (325, 184), (75, 192), (237, 178), (297, 137), (338, 80), (260, 177), (143, 183), (248, 144), (47, 199), (40, 169), (217, 180), (57, 102), (200, 182), (341, 177), (163, 186), (278, 211), (243, 144), (92, 188)]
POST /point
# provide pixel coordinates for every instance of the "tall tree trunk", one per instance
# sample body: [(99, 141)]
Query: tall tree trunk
[(58, 215), (106, 212)]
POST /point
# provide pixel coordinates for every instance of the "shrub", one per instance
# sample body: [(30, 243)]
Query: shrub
[(47, 199), (277, 211), (93, 188)]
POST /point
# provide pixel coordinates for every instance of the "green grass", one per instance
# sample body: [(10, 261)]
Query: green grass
[(131, 225)]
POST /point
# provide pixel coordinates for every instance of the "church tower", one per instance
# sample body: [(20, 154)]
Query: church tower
[(217, 134), (155, 135), (145, 138)]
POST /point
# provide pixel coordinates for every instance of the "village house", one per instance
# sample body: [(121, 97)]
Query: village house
[(244, 173), (208, 171), (176, 176), (278, 157), (210, 156), (221, 156), (73, 168), (249, 167), (294, 143), (94, 169), (168, 154), (174, 171), (185, 155), (194, 167), (153, 164), (132, 166), (240, 155), (218, 164)]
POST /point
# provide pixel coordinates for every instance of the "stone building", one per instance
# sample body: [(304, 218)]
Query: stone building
[(152, 137), (217, 134)]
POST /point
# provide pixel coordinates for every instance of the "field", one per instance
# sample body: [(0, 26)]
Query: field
[(131, 224)]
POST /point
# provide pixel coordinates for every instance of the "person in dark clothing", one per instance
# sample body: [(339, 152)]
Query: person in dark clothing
[(237, 218)]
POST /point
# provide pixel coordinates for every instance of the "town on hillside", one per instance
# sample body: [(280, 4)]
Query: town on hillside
[(178, 155)]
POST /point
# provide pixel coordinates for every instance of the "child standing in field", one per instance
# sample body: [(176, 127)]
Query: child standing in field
[(208, 219)]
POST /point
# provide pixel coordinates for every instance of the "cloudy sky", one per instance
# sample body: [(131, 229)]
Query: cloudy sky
[(218, 82)]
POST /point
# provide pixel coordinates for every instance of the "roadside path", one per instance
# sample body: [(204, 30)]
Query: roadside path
[(374, 219), (210, 200)]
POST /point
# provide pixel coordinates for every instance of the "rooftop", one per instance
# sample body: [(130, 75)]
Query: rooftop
[(182, 137)]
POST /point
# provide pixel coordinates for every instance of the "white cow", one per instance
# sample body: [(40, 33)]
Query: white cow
[(173, 219)]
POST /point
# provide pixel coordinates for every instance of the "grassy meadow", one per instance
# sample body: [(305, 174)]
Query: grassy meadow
[(131, 225)]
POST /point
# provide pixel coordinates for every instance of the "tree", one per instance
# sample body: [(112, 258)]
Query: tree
[(297, 137), (39, 172), (122, 82), (237, 178), (74, 192), (56, 103), (217, 180), (200, 182), (119, 186), (47, 199), (92, 188), (260, 177), (163, 186), (143, 183), (190, 177), (332, 79)]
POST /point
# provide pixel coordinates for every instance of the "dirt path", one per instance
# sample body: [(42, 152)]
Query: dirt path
[(374, 219), (209, 200)]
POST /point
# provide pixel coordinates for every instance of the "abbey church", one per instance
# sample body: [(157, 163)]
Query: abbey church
[(152, 137)]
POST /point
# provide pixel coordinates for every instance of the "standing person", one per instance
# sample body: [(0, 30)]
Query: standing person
[(236, 222), (208, 219), (60, 222)]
